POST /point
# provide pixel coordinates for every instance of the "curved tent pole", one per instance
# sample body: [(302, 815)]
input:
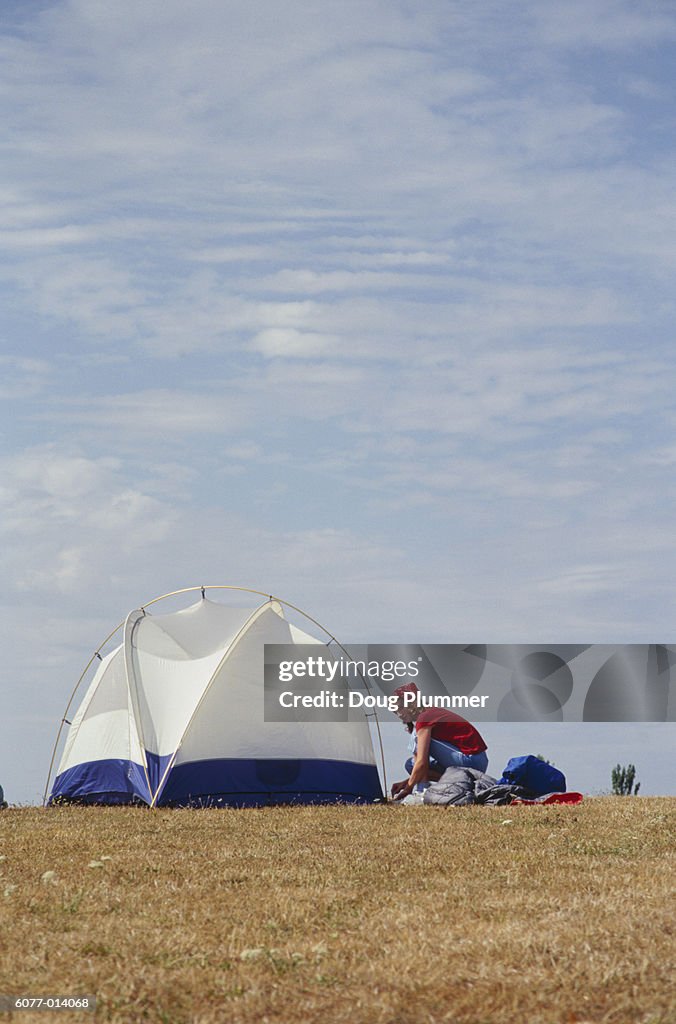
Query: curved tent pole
[(89, 664), (366, 687), (257, 612), (203, 588)]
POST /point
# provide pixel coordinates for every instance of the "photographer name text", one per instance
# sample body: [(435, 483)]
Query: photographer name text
[(355, 699)]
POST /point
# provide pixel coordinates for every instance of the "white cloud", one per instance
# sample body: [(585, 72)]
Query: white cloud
[(605, 24), (159, 413), (584, 579), (22, 378), (40, 238), (67, 517), (286, 341)]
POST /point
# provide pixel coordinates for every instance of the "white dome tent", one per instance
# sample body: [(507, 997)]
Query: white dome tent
[(173, 716)]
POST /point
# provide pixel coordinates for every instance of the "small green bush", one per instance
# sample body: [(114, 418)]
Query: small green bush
[(623, 780)]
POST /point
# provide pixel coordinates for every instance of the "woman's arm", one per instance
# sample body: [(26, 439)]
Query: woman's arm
[(420, 769)]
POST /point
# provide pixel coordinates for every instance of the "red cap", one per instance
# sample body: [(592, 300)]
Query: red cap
[(405, 688)]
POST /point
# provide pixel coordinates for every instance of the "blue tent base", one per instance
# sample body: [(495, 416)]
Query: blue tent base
[(224, 782), (112, 781)]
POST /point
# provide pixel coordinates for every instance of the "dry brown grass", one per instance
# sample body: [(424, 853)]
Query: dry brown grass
[(547, 915)]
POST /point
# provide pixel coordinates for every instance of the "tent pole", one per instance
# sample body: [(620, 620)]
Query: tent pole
[(96, 654)]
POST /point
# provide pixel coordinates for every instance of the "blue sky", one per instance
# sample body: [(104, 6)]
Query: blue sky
[(369, 305)]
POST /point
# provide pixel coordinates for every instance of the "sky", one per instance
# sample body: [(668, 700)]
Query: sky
[(369, 305)]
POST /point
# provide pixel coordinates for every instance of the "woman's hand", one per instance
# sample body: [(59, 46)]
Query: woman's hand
[(401, 789)]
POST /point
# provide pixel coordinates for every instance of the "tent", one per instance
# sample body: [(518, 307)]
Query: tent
[(174, 717)]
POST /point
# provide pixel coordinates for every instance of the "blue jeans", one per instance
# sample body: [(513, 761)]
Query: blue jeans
[(443, 755)]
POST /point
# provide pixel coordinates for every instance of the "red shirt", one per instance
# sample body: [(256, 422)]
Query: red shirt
[(451, 728)]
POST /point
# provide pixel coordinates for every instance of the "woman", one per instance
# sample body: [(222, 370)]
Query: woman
[(442, 739)]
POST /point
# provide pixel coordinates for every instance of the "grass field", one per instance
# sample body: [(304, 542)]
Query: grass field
[(544, 915)]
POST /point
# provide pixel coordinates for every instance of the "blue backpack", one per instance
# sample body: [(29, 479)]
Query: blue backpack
[(533, 774)]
